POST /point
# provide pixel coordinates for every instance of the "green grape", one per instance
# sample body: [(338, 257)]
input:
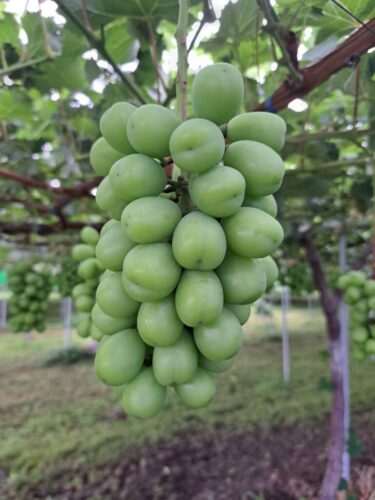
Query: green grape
[(265, 203), (82, 251), (107, 200), (84, 303), (158, 323), (84, 325), (215, 366), (252, 233), (89, 235), (221, 339), (261, 167), (103, 156), (218, 192), (152, 267), (242, 312), (119, 357), (199, 298), (271, 270), (136, 176), (177, 363), (199, 391), (88, 268), (113, 126), (258, 126), (197, 145), (144, 397), (217, 93), (113, 299), (151, 219), (112, 247), (199, 242), (109, 324), (149, 130), (243, 280)]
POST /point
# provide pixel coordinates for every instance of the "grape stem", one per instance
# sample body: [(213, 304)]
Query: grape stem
[(181, 87), (182, 63)]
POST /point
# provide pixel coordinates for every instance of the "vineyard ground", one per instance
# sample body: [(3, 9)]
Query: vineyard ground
[(63, 435)]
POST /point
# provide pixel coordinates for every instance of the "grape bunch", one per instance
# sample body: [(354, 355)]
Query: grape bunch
[(184, 257), (30, 287), (359, 294), (88, 272), (67, 278)]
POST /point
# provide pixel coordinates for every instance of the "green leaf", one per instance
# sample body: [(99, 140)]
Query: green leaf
[(343, 485), (103, 11), (237, 24), (145, 73), (324, 384), (92, 70), (62, 72), (9, 30), (119, 43), (354, 445), (73, 44), (322, 151), (238, 20), (85, 127), (36, 45), (305, 186), (14, 105), (114, 93)]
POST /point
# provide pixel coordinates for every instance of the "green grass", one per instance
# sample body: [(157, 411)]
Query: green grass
[(62, 416)]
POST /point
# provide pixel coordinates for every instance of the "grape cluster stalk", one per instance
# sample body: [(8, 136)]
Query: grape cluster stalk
[(185, 254), (359, 294)]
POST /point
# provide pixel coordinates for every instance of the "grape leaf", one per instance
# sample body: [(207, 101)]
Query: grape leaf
[(9, 30)]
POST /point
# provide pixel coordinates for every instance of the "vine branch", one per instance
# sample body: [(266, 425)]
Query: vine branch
[(44, 229), (22, 65), (82, 189), (285, 39), (314, 75), (342, 134)]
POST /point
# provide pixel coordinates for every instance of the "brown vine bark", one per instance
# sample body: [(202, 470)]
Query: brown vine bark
[(330, 304), (346, 54), (77, 191), (44, 229)]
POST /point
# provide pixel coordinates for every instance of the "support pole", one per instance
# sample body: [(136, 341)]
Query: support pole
[(285, 301), (309, 305), (3, 310), (67, 315), (344, 337), (271, 330)]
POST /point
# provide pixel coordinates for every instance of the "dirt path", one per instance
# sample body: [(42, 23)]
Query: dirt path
[(277, 464)]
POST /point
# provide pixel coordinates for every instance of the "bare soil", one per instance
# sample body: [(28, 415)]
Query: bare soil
[(281, 463)]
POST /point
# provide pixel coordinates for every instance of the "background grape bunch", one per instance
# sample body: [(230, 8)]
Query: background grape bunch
[(67, 277), (184, 256), (359, 294), (30, 286), (88, 271)]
